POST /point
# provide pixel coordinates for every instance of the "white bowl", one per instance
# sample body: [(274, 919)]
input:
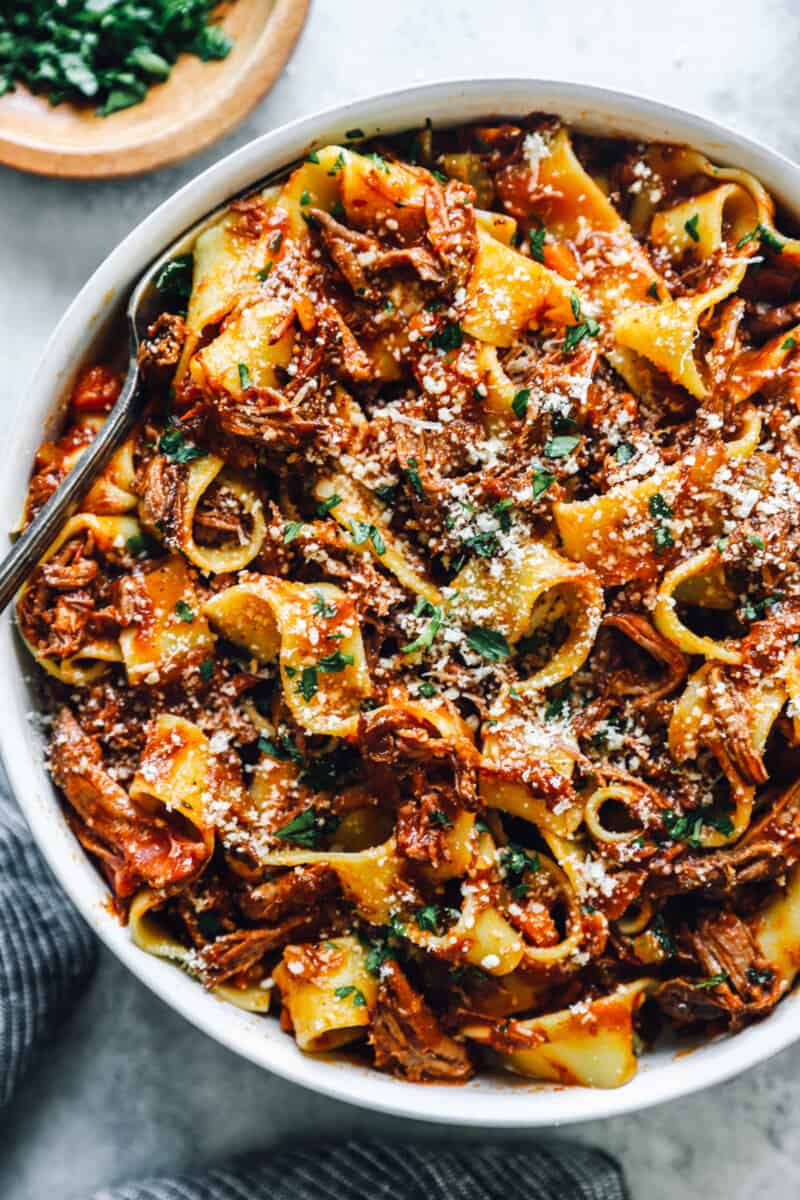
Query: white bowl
[(489, 1100)]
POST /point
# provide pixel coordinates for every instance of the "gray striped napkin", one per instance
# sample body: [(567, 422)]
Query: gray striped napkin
[(46, 955)]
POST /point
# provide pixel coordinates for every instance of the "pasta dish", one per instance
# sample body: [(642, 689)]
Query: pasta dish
[(425, 668)]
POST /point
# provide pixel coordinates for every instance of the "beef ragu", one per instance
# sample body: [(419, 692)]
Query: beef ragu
[(427, 664)]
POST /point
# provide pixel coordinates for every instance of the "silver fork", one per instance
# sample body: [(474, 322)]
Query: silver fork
[(143, 306)]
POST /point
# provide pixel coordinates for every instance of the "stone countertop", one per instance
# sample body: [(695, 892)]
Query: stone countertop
[(130, 1088)]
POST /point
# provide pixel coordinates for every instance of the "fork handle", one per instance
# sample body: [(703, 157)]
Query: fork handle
[(43, 530)]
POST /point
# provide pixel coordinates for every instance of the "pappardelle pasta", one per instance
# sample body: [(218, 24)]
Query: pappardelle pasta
[(426, 666)]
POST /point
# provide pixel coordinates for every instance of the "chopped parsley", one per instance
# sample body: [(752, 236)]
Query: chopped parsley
[(305, 196), (174, 280), (427, 689), (624, 453), (515, 861), (560, 447), (652, 292), (245, 381), (173, 445), (183, 611), (323, 607), (275, 241), (760, 976), (788, 344), (691, 227), (313, 157), (661, 511), (337, 661), (307, 687), (337, 166), (347, 990), (756, 541), (658, 506), (658, 927), (291, 530), (326, 506), (206, 669), (536, 242), (712, 981), (431, 917), (308, 828), (541, 482), (490, 643), (104, 52), (440, 819), (283, 750), (520, 403), (425, 640), (363, 532), (264, 272), (449, 337), (584, 326), (411, 472), (386, 493), (136, 543), (683, 827), (765, 236)]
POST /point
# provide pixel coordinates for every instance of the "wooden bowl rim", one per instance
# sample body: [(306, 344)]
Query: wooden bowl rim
[(173, 141)]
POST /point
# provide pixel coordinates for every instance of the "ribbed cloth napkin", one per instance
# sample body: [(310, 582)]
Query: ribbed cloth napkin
[(46, 955)]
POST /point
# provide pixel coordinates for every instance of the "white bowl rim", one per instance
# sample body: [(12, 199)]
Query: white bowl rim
[(488, 1101)]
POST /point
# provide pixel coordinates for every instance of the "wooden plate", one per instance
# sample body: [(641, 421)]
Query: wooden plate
[(197, 104)]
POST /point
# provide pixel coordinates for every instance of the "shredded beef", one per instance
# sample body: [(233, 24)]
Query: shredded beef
[(408, 1039)]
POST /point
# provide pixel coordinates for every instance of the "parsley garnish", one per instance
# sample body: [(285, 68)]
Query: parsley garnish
[(756, 541), (307, 687), (658, 506), (683, 827), (337, 166), (183, 611), (245, 382), (284, 750), (206, 669), (652, 292), (760, 976), (449, 337), (335, 662), (305, 196), (441, 819), (541, 482), (662, 538), (788, 344), (322, 607), (490, 643), (380, 163), (411, 472), (624, 452), (291, 530), (308, 828), (520, 403), (362, 532), (691, 227), (342, 993), (136, 543), (325, 506), (764, 235), (174, 280), (515, 861), (658, 927), (173, 444), (425, 639), (386, 493), (536, 242), (264, 272), (712, 981), (584, 327), (427, 689), (313, 157), (560, 447)]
